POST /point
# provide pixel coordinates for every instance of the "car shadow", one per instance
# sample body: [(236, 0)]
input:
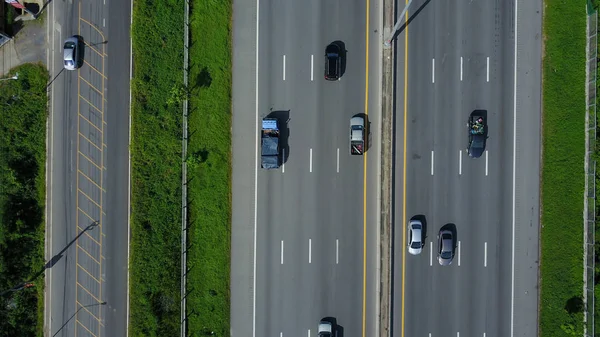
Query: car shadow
[(81, 46), (283, 118), (343, 54), (423, 220)]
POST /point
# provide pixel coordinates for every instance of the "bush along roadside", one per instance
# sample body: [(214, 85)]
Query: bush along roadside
[(155, 261), (23, 114), (209, 168), (562, 174)]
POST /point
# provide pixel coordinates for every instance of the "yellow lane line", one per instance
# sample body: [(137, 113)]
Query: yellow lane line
[(93, 87), (88, 254), (84, 213), (93, 106), (89, 121), (87, 291), (90, 141), (87, 272), (89, 312), (364, 294), (91, 238), (101, 54), (404, 166), (83, 326), (95, 69), (91, 180), (90, 160), (93, 26), (90, 198)]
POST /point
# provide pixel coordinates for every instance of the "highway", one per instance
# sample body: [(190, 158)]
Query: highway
[(88, 171), (305, 236), (454, 58)]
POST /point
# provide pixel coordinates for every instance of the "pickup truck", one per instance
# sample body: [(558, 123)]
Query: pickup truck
[(357, 136), (477, 134), (269, 142)]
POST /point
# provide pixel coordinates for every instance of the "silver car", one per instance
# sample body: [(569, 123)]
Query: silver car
[(415, 237), (71, 53), (445, 247)]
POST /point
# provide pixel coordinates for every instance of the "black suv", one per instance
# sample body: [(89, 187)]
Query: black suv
[(333, 62)]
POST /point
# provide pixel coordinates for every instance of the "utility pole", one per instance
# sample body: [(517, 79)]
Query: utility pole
[(388, 42)]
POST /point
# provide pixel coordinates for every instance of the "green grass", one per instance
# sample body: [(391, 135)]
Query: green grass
[(209, 167), (155, 268), (23, 114), (563, 173)]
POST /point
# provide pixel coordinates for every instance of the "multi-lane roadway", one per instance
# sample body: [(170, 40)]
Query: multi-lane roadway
[(454, 58), (305, 236), (88, 171)]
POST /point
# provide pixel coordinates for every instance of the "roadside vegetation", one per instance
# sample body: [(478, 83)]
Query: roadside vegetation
[(209, 168), (563, 172), (23, 114), (155, 262)]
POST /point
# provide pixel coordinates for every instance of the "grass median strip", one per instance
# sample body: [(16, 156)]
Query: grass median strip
[(23, 116), (563, 171), (209, 167), (155, 265)]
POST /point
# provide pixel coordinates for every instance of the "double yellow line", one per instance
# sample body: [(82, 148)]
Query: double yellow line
[(364, 294)]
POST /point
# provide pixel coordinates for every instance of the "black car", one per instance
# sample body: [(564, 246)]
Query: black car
[(477, 134), (333, 62)]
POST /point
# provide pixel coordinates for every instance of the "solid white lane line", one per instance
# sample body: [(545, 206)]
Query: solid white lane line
[(309, 250), (461, 68), (512, 282), (310, 160), (459, 162), (284, 67), (255, 169), (459, 253), (281, 251), (430, 253), (484, 334), (432, 70), (484, 259), (486, 162), (281, 334), (432, 162), (487, 69), (283, 164), (338, 160), (457, 334), (308, 333), (312, 69), (337, 251)]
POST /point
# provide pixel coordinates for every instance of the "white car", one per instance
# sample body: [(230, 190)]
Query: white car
[(415, 237)]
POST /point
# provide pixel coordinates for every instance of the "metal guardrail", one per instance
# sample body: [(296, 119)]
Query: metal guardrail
[(590, 168)]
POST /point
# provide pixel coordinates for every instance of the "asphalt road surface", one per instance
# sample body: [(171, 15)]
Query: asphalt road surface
[(304, 237), (454, 58), (88, 172)]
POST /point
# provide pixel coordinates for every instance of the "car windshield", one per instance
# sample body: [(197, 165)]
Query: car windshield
[(477, 142), (415, 244), (446, 255), (70, 45)]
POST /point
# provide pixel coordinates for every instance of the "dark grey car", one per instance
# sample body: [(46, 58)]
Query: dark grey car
[(445, 247)]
